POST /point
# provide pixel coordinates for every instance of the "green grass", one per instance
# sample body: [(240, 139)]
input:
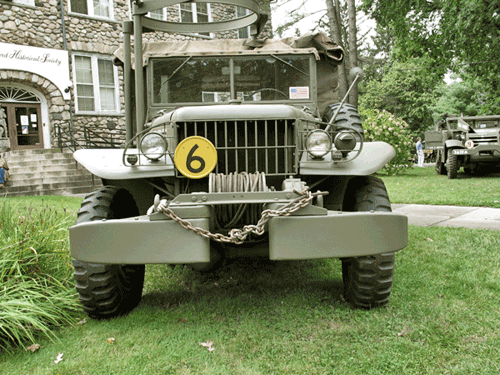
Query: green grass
[(288, 318), (37, 288), (425, 186)]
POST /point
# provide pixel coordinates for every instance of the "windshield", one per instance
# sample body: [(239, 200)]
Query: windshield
[(209, 79)]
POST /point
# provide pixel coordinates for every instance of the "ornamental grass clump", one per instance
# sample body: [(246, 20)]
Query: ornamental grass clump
[(37, 290), (384, 126)]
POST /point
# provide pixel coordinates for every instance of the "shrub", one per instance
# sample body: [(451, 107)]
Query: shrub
[(384, 126), (35, 273)]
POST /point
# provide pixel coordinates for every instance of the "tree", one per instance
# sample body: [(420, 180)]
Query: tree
[(407, 91), (335, 27), (353, 49), (461, 34)]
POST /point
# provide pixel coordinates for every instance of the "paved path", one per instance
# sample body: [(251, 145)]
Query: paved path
[(450, 216)]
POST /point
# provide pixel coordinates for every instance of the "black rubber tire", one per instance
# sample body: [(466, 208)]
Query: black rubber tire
[(348, 117), (452, 166), (440, 166), (368, 280), (108, 290)]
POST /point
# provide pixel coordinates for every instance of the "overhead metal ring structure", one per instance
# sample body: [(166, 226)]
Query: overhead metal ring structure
[(142, 7)]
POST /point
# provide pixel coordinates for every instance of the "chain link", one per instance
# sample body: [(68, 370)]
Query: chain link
[(238, 236)]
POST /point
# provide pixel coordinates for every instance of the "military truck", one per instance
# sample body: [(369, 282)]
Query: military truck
[(238, 149), (470, 142)]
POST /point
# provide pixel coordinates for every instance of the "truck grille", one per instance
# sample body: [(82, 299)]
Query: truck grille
[(484, 140), (251, 146)]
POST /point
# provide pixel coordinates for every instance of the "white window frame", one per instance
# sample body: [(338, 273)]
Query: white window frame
[(163, 17), (90, 10), (247, 28), (25, 2), (194, 11), (95, 83)]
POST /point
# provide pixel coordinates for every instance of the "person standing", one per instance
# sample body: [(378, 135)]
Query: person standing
[(420, 152), (4, 167)]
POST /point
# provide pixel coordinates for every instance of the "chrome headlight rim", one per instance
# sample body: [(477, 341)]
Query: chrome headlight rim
[(352, 142), (327, 146), (153, 155)]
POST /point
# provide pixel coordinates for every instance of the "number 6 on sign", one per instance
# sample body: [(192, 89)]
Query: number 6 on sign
[(195, 157)]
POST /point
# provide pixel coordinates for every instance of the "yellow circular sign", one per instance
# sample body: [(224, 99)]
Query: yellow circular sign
[(195, 157)]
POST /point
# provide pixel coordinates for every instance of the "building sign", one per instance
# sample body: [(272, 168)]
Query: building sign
[(52, 64)]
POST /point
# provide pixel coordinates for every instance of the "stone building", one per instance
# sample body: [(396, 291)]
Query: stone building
[(57, 77)]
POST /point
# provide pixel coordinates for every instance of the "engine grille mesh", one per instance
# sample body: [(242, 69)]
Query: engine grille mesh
[(251, 146)]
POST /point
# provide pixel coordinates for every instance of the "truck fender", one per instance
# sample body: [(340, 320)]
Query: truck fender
[(453, 143)]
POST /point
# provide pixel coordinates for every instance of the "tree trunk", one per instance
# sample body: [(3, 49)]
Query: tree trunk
[(335, 30), (353, 49)]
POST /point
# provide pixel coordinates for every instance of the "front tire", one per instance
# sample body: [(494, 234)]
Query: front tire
[(452, 166), (108, 290), (368, 279), (440, 166)]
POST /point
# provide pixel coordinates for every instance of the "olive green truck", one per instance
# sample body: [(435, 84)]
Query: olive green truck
[(234, 148), (471, 142)]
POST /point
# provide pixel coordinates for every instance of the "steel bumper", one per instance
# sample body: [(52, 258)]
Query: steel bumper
[(334, 235)]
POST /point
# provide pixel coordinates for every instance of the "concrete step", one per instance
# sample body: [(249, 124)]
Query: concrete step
[(46, 172), (81, 190), (51, 180)]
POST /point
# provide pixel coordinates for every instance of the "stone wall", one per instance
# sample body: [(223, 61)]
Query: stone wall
[(41, 26)]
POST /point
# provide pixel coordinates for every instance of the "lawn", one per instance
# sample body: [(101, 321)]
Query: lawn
[(264, 317), (424, 186), (268, 317)]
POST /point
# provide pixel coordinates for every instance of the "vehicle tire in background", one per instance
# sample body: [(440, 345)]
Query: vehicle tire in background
[(452, 166), (108, 290), (440, 166), (367, 280)]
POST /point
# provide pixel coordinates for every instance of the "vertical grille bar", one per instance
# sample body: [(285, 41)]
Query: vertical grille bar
[(246, 145), (266, 143), (216, 132), (236, 145), (277, 150), (285, 144), (225, 145), (256, 144)]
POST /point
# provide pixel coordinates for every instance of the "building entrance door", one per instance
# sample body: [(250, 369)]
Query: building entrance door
[(24, 125)]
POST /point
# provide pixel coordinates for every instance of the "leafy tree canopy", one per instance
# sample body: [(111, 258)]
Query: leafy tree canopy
[(463, 34), (407, 91)]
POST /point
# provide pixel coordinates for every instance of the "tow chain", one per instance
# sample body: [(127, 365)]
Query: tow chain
[(238, 236)]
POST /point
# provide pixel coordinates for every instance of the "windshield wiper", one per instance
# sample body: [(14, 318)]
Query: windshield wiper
[(290, 65)]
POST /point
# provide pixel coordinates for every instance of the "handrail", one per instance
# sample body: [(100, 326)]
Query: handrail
[(89, 140), (101, 142)]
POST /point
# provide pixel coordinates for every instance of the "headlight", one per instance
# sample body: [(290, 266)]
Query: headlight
[(345, 141), (469, 144), (318, 143), (153, 146)]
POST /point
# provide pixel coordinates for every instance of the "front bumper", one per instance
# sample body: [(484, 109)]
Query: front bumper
[(478, 150), (141, 240)]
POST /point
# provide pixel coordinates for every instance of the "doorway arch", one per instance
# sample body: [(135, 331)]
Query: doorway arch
[(25, 112)]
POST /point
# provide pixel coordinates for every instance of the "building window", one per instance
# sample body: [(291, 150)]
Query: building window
[(96, 81), (244, 32), (94, 8), (27, 2), (195, 12), (158, 14)]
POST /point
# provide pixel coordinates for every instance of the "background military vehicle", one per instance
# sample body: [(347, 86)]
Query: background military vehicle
[(238, 152), (469, 142)]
